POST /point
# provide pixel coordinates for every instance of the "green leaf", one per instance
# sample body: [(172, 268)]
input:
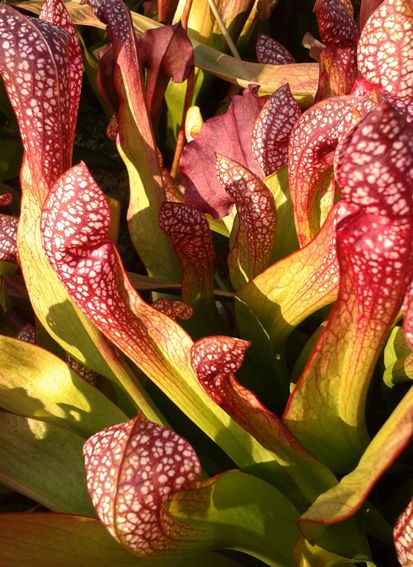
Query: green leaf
[(34, 459), (7, 268), (344, 499), (141, 282), (398, 359), (48, 540), (297, 286), (174, 99), (204, 25), (292, 289), (305, 353), (264, 362), (286, 237), (242, 512), (37, 384), (308, 555)]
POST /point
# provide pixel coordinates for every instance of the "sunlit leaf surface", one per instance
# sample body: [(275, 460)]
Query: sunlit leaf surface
[(344, 499), (384, 55)]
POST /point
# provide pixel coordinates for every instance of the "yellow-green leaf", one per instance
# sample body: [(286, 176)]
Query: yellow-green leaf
[(398, 359), (48, 540), (344, 499), (37, 384)]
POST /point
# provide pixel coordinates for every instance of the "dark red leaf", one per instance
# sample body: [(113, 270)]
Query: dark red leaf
[(229, 134), (35, 59), (385, 56), (215, 361), (403, 536), (269, 51), (336, 23), (166, 10), (402, 105), (112, 129), (167, 53), (338, 71), (363, 88), (6, 199), (27, 334), (254, 239), (104, 78), (81, 370), (172, 308), (8, 234), (313, 141), (272, 130), (190, 235), (132, 470), (54, 11), (167, 50), (338, 61)]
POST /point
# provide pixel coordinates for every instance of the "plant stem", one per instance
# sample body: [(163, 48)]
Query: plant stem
[(223, 29), (185, 14), (181, 134), (189, 93)]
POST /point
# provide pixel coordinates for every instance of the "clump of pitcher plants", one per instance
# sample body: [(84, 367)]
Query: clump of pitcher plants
[(249, 395)]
